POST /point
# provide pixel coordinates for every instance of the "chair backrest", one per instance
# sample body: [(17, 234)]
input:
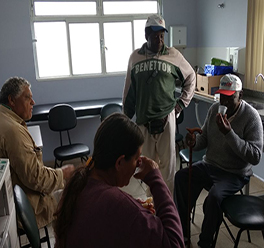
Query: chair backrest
[(179, 120), (62, 117), (109, 109), (26, 216)]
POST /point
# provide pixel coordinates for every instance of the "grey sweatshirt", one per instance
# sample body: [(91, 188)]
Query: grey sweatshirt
[(238, 150)]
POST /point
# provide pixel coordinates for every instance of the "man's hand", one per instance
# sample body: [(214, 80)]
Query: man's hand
[(223, 124), (178, 110), (67, 171), (190, 139), (144, 167)]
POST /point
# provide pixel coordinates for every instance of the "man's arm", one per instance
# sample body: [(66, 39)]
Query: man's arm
[(26, 162), (248, 147), (188, 86)]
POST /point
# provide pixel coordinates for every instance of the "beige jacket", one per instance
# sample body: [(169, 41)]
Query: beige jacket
[(27, 168)]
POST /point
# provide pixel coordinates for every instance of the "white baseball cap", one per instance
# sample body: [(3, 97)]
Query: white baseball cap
[(156, 22), (229, 84)]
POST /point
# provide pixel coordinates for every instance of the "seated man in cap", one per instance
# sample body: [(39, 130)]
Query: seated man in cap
[(149, 93), (234, 143)]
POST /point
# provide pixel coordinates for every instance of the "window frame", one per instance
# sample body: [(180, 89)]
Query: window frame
[(99, 18)]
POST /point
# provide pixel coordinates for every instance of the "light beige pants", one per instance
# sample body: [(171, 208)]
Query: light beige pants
[(161, 148)]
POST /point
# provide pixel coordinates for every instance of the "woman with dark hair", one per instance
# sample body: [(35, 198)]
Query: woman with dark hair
[(94, 212)]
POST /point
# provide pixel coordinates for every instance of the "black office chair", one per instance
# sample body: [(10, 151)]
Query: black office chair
[(62, 118), (245, 212), (178, 136), (27, 218), (109, 109)]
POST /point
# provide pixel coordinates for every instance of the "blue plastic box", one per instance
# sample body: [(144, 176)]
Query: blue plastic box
[(217, 70)]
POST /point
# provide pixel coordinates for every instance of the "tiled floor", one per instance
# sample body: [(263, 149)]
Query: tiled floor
[(137, 189)]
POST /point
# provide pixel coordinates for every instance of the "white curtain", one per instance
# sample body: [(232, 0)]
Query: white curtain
[(255, 45)]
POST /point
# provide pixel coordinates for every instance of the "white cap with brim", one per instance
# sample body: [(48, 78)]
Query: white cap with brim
[(229, 84), (156, 22)]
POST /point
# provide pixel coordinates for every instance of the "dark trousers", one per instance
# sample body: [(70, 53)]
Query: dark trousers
[(219, 183)]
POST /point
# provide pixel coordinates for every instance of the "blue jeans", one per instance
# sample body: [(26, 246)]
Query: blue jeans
[(219, 183)]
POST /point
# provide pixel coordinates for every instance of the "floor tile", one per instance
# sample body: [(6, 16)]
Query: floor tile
[(256, 185)]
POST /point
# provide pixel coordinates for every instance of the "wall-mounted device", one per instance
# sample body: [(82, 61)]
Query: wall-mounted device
[(178, 36), (239, 60)]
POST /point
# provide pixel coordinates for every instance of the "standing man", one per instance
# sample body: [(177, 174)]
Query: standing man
[(149, 93), (233, 143), (27, 169)]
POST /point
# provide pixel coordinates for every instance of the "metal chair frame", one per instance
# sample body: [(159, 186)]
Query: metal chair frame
[(248, 214), (62, 118), (27, 218)]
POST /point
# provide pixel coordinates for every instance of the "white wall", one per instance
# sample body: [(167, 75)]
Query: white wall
[(207, 26)]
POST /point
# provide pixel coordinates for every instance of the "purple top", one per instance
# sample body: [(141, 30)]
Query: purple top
[(105, 216)]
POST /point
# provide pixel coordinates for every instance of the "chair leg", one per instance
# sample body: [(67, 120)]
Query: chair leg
[(46, 239), (248, 234), (193, 213), (180, 163), (229, 231), (84, 159), (47, 236), (56, 164), (19, 237), (232, 236), (183, 146), (238, 238), (178, 146)]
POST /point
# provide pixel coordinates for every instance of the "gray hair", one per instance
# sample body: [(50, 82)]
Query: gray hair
[(13, 86)]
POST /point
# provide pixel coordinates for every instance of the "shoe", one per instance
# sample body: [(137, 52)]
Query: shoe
[(203, 246)]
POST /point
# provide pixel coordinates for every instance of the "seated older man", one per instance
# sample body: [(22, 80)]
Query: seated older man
[(234, 143), (27, 169)]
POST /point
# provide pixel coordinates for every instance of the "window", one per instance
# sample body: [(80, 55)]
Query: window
[(87, 37)]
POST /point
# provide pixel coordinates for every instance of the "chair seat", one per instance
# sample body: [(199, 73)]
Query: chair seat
[(196, 155), (71, 151), (245, 211)]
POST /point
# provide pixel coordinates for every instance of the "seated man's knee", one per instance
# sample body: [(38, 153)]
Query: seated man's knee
[(180, 176), (214, 196)]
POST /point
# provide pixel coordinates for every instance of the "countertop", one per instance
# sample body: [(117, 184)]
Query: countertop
[(254, 98), (83, 109)]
